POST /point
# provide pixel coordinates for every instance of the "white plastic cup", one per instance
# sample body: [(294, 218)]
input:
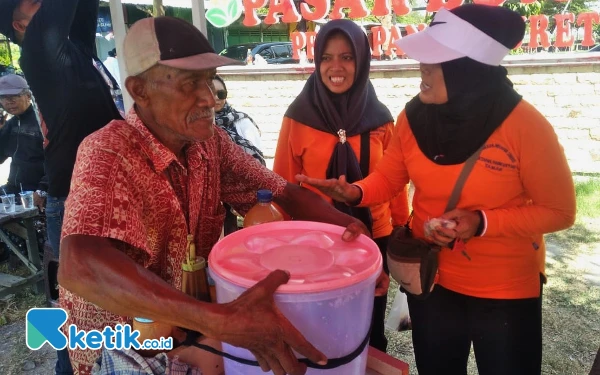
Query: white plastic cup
[(27, 199), (8, 201)]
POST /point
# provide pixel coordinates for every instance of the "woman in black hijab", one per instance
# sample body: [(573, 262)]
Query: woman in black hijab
[(337, 127), (488, 289)]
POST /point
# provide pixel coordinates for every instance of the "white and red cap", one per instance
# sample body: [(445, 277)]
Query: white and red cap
[(172, 42), (483, 33)]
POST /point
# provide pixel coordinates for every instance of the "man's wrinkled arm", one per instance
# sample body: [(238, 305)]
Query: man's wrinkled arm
[(303, 204), (95, 269)]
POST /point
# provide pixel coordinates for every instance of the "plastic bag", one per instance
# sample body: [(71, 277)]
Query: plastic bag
[(398, 318)]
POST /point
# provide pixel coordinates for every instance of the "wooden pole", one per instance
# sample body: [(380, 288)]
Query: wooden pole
[(119, 30), (158, 8)]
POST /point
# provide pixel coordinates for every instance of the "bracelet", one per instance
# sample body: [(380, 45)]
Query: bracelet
[(41, 193), (481, 225)]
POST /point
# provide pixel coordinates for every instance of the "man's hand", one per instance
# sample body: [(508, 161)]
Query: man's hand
[(338, 189), (355, 229), (39, 201), (253, 322)]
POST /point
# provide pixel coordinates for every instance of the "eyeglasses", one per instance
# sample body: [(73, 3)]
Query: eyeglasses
[(221, 94), (6, 98)]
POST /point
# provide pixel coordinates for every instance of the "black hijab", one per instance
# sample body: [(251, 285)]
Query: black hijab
[(356, 111), (480, 96)]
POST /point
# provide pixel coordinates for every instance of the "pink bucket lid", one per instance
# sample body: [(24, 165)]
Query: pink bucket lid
[(314, 254)]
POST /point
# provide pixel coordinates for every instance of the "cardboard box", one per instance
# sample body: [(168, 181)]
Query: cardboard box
[(380, 363)]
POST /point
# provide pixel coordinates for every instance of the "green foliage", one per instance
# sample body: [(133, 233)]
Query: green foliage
[(551, 7), (588, 197), (413, 18), (523, 9), (5, 56)]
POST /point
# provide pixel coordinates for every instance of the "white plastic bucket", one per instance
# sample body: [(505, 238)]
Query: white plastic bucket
[(329, 297)]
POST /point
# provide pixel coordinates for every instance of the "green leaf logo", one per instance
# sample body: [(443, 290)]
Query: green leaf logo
[(224, 13)]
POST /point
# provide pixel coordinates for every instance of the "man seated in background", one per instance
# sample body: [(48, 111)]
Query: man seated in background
[(21, 139)]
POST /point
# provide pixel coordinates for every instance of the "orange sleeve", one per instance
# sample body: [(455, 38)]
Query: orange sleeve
[(398, 205), (546, 180), (286, 164), (390, 176)]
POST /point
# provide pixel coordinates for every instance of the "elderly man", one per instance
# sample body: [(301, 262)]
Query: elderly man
[(21, 139), (140, 186)]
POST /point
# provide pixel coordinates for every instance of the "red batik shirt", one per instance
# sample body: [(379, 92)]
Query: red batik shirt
[(129, 187)]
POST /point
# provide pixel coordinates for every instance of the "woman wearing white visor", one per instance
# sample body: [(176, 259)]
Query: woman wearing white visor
[(491, 266)]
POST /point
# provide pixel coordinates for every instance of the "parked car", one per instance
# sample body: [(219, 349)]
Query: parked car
[(272, 52)]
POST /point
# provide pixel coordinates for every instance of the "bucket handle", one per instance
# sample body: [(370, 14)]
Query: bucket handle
[(331, 362)]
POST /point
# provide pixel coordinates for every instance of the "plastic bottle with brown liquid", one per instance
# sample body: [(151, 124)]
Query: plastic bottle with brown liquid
[(264, 211), (249, 58)]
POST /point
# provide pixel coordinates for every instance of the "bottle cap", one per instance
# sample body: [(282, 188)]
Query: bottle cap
[(264, 196), (143, 320)]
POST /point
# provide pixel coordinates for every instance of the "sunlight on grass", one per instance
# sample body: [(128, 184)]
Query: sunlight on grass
[(588, 197)]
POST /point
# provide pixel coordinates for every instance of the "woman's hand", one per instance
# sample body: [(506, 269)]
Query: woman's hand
[(337, 189), (467, 223)]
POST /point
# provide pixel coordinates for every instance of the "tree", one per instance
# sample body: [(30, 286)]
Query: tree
[(523, 9), (412, 18)]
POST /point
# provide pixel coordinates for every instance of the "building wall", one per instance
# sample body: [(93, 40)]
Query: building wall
[(566, 91)]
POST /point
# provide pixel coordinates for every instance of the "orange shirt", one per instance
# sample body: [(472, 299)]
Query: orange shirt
[(521, 181), (302, 149)]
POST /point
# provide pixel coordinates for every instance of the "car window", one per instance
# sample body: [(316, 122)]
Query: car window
[(238, 53), (281, 50), (266, 53)]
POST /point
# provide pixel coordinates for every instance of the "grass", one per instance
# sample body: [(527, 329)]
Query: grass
[(571, 300), (588, 197), (13, 308)]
